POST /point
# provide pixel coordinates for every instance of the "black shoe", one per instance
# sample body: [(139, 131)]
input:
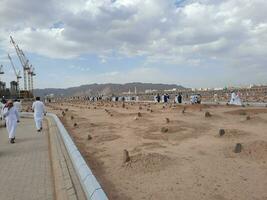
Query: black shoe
[(12, 140), (39, 130)]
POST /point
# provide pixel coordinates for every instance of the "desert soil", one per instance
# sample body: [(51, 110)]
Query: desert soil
[(182, 157)]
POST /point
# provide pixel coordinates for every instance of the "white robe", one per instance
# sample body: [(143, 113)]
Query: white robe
[(238, 100), (193, 99), (11, 117), (176, 99), (162, 98), (39, 111), (233, 96), (18, 106), (235, 99), (1, 111)]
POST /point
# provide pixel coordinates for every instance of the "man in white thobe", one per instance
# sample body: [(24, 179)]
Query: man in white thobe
[(1, 110), (17, 105), (39, 112), (193, 99), (12, 118), (238, 99), (2, 118), (233, 97)]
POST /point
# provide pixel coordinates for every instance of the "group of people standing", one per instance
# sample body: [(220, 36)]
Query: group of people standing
[(166, 97), (196, 99), (10, 114)]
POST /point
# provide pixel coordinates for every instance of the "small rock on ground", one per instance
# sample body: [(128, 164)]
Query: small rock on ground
[(126, 157), (221, 132), (164, 130), (238, 148)]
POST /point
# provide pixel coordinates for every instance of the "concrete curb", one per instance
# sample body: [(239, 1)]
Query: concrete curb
[(88, 181)]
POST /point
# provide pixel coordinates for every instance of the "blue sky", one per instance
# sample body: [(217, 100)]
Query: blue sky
[(195, 43)]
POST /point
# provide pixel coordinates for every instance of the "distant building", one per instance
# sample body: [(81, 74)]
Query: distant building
[(171, 90), (216, 89), (149, 91), (14, 89), (2, 86)]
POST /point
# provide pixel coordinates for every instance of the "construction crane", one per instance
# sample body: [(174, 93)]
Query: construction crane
[(30, 71), (24, 62), (1, 71), (31, 74), (17, 73)]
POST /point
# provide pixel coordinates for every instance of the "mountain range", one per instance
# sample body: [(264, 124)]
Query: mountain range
[(104, 89)]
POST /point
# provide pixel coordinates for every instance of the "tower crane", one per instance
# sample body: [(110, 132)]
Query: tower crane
[(30, 71), (17, 73), (24, 62), (31, 74)]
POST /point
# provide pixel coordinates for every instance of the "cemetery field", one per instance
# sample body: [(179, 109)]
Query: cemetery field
[(157, 151)]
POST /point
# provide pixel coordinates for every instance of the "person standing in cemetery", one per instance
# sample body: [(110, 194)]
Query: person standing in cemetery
[(158, 98), (238, 99), (11, 116), (179, 98), (39, 112), (233, 97), (166, 98)]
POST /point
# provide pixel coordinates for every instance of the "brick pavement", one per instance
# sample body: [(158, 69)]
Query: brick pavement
[(25, 167)]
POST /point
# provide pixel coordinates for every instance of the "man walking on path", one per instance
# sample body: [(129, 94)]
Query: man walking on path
[(17, 105), (2, 118), (11, 116), (39, 112), (1, 111)]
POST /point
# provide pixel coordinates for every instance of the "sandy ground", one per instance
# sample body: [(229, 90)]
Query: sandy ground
[(182, 157)]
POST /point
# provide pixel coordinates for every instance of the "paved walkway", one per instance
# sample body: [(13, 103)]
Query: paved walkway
[(25, 167)]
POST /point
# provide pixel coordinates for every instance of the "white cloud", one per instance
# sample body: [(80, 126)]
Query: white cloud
[(194, 33)]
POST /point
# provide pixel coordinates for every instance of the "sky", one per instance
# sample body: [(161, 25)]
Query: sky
[(194, 43)]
